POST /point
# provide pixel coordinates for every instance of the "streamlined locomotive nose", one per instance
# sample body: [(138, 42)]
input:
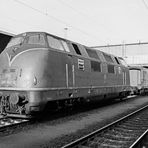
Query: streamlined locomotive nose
[(26, 69), (22, 79)]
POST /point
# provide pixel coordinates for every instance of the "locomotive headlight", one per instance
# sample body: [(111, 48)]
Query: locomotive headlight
[(35, 80), (14, 99)]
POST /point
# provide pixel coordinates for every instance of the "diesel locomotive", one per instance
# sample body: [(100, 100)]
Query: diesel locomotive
[(38, 69)]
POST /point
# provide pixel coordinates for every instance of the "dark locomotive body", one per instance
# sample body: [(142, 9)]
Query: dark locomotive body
[(38, 69)]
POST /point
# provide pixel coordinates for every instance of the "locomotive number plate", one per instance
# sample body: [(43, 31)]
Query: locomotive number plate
[(8, 77)]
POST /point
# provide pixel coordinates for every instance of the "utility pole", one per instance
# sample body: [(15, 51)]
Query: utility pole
[(123, 49)]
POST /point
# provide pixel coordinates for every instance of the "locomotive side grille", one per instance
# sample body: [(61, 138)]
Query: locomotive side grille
[(81, 64)]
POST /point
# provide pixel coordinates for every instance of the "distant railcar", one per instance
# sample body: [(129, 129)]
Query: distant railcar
[(138, 80), (38, 68)]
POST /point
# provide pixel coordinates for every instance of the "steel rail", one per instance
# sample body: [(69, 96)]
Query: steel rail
[(84, 139), (7, 122), (140, 141)]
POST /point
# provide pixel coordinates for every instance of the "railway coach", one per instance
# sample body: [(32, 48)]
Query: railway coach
[(138, 79), (38, 69)]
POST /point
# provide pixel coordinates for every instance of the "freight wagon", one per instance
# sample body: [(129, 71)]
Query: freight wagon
[(138, 79)]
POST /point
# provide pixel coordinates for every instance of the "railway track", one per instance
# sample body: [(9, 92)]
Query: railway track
[(10, 122), (126, 132)]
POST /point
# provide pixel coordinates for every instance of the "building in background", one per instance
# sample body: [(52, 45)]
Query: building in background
[(135, 53)]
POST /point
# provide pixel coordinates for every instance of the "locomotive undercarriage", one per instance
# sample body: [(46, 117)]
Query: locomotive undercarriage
[(32, 102), (61, 99)]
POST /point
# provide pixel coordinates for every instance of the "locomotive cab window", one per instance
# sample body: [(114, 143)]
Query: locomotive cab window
[(108, 58), (55, 43), (36, 39), (65, 46), (15, 41), (76, 48)]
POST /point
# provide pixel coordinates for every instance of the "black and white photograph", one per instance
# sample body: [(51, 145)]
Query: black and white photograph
[(73, 73)]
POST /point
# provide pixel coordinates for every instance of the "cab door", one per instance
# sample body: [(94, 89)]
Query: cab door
[(70, 72)]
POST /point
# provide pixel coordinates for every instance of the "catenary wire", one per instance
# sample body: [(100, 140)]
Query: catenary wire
[(56, 19)]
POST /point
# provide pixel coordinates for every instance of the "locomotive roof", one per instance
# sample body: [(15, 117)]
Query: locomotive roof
[(137, 67), (36, 32), (6, 33)]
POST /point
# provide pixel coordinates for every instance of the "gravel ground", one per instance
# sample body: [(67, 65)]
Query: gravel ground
[(55, 133)]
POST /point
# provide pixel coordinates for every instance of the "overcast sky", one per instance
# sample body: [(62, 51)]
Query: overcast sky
[(89, 22)]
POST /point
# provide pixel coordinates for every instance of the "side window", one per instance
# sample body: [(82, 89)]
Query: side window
[(76, 48), (117, 61), (15, 41), (36, 39), (110, 68), (65, 46), (123, 62), (92, 53), (95, 66), (108, 58), (54, 43)]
